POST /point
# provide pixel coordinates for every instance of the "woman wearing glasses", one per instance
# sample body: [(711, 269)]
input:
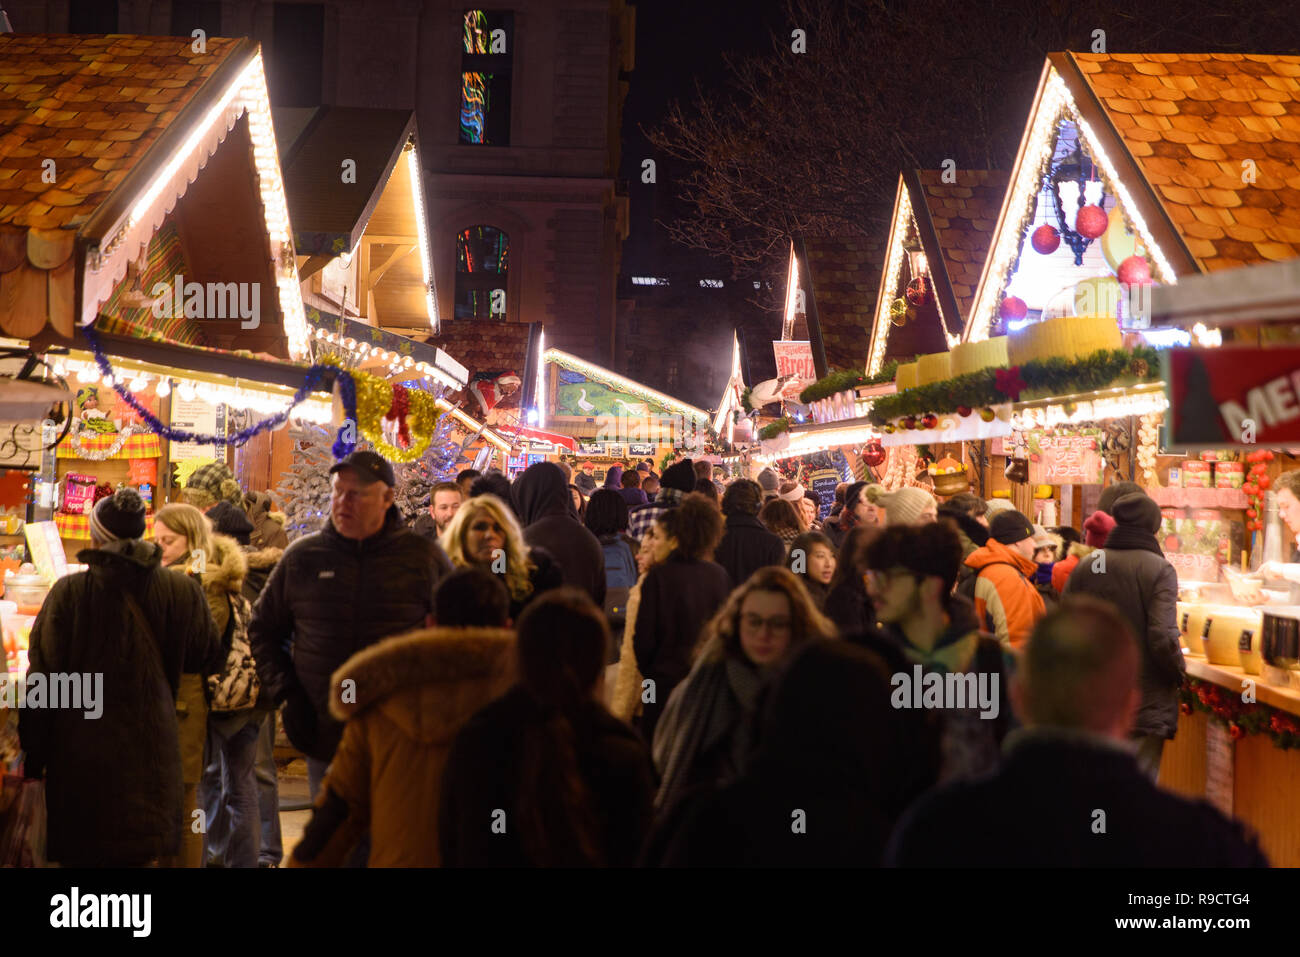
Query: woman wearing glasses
[(704, 736)]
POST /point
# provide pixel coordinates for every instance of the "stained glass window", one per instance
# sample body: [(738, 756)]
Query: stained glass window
[(482, 273), (487, 60)]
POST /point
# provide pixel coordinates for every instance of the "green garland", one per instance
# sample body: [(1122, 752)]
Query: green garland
[(773, 429), (842, 379), (1043, 379), (744, 400)]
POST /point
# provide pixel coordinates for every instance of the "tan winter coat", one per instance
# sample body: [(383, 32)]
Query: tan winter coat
[(223, 575), (404, 701)]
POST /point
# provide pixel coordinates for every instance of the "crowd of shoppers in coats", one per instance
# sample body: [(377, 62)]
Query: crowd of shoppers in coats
[(676, 669)]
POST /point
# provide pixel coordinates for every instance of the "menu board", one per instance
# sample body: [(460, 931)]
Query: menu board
[(822, 484), (46, 549), (205, 418), (1218, 767), (1060, 457)]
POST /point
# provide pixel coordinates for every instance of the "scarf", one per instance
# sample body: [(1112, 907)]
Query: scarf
[(1129, 538), (954, 651), (717, 698)]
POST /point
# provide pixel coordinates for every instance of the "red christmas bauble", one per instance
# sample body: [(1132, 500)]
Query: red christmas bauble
[(963, 410), (1134, 271), (1045, 240), (1013, 307), (873, 453), (1091, 222)]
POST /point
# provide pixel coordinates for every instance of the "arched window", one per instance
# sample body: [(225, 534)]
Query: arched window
[(482, 267)]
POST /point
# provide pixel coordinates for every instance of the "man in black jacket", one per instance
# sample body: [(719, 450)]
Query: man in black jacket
[(543, 504), (1069, 793), (746, 546), (362, 578), (1132, 573)]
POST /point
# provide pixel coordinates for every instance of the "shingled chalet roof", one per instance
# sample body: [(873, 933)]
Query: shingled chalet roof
[(845, 276), (1190, 121), (113, 114), (959, 218)]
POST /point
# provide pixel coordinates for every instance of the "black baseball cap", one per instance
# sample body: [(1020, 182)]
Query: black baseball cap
[(369, 465)]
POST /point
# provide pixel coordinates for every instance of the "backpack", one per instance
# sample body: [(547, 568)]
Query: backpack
[(237, 687), (620, 576)]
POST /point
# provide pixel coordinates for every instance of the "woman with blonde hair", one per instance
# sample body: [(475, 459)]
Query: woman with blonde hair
[(485, 534), (227, 787), (704, 737)]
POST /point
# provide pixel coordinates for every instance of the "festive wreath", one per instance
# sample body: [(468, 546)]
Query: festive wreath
[(1239, 717)]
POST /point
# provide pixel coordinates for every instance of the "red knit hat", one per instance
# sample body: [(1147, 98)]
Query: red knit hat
[(1097, 528)]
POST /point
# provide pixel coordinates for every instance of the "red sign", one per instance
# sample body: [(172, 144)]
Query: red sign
[(794, 358), (1234, 396)]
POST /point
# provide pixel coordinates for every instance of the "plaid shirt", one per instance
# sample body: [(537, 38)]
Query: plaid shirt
[(642, 517)]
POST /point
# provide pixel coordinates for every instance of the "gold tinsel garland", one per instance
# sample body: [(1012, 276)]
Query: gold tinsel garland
[(375, 398)]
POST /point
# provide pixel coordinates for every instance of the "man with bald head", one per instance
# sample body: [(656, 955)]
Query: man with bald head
[(1069, 792)]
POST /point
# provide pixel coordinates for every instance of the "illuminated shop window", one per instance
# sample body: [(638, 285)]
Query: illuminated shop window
[(482, 271), (486, 65)]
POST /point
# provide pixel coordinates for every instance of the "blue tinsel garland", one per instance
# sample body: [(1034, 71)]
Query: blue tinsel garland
[(319, 377)]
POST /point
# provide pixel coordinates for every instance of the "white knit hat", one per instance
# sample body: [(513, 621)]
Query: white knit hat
[(794, 494)]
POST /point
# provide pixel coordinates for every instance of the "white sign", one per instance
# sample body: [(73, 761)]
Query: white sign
[(196, 415), (794, 358)]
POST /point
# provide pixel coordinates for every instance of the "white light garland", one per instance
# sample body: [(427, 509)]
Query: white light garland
[(893, 269)]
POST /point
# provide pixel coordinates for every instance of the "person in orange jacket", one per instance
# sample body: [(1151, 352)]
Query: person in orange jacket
[(1006, 601)]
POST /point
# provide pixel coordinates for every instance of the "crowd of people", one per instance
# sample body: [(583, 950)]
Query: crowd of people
[(677, 669)]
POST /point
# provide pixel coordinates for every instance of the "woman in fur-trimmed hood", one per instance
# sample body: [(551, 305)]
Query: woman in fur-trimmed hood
[(268, 523), (405, 701)]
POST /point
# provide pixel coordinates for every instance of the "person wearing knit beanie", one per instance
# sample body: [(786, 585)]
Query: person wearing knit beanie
[(679, 475), (1137, 510), (1113, 493), (1096, 527), (769, 480), (908, 505), (117, 517), (996, 505)]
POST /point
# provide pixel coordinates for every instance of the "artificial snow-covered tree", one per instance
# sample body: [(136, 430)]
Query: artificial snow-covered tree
[(438, 464), (303, 493)]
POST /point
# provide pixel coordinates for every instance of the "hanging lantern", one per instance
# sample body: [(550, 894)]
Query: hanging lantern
[(1091, 222), (917, 290), (1046, 240)]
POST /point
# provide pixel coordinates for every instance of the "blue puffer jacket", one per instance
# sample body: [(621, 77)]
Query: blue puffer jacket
[(328, 598)]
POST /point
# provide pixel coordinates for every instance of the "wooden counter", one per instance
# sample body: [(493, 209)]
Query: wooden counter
[(1251, 779), (1284, 699)]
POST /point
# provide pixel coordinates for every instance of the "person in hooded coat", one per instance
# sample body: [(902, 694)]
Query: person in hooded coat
[(542, 502), (414, 693), (114, 794), (831, 745), (268, 523), (1134, 575)]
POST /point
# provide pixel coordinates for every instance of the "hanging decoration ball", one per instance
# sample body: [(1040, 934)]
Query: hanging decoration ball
[(1091, 222), (1134, 271), (1013, 308), (963, 410), (1046, 240), (873, 453), (898, 312), (917, 291)]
